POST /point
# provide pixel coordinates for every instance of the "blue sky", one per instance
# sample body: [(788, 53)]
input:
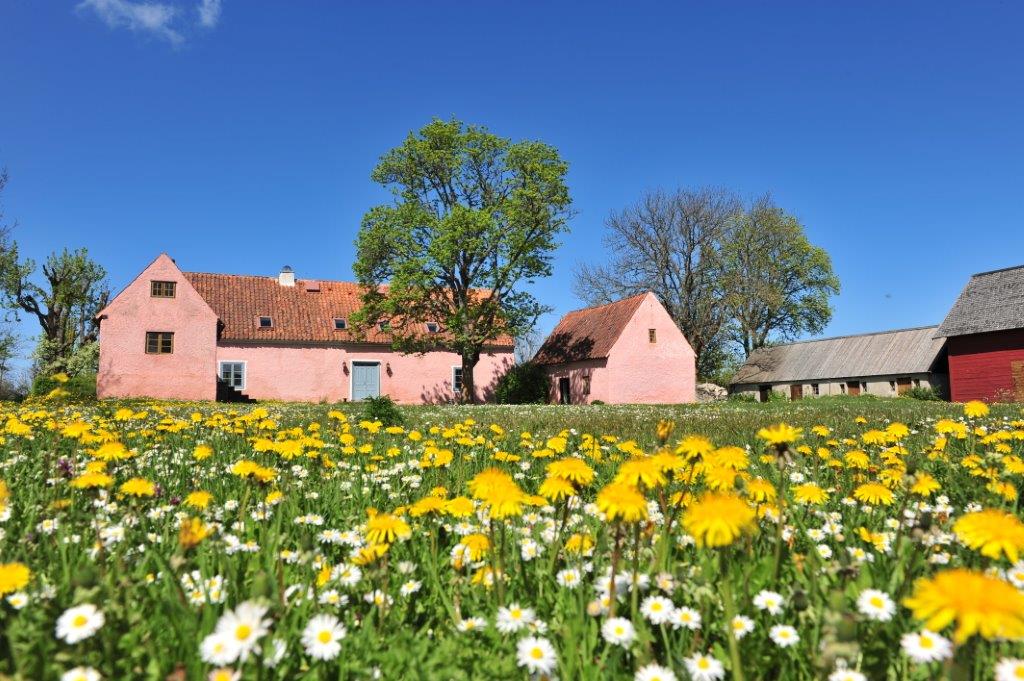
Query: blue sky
[(239, 135)]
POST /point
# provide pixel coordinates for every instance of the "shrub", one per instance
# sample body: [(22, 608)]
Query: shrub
[(80, 388), (383, 409), (524, 383), (923, 393), (742, 397)]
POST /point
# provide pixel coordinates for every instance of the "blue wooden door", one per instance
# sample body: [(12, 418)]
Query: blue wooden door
[(365, 380)]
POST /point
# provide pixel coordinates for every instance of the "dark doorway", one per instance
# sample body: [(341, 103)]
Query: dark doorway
[(764, 392), (796, 392), (564, 391), (902, 385), (853, 388)]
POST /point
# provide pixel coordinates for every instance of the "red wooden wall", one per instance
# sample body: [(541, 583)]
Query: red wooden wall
[(981, 366)]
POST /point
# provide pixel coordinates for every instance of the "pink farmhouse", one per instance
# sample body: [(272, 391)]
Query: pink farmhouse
[(626, 352), (195, 336)]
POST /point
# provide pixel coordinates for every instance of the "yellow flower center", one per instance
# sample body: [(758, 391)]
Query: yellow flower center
[(324, 636), (703, 664), (243, 632), (876, 602), (926, 642), (79, 621), (537, 653)]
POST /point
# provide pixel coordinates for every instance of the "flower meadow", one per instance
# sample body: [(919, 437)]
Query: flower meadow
[(192, 541)]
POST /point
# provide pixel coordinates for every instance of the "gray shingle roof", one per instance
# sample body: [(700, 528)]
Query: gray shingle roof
[(899, 352), (991, 301)]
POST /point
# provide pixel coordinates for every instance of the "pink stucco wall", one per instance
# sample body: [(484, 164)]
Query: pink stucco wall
[(127, 371), (636, 370), (316, 374)]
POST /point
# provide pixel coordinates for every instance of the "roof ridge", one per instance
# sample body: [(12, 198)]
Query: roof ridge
[(854, 335), (1002, 269), (271, 278), (614, 302)]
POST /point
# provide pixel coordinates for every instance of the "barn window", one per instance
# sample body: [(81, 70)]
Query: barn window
[(586, 384), (432, 327), (340, 324), (162, 289), (457, 380), (159, 342), (266, 322), (842, 388), (815, 389), (652, 335)]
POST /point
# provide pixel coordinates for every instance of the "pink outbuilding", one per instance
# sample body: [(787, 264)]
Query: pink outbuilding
[(196, 336), (626, 352)]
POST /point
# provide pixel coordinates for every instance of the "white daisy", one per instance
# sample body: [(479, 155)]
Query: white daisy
[(741, 626), (846, 675), (704, 668), (410, 587), (685, 618), (569, 578), (657, 609), (876, 605), (1009, 669), (618, 631), (18, 600), (81, 674), (471, 624), (79, 622), (654, 672), (224, 674), (219, 648), (322, 637), (536, 654), (246, 624), (926, 646), (784, 635), (513, 618), (770, 601)]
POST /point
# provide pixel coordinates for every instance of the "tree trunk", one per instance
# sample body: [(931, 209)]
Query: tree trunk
[(469, 362)]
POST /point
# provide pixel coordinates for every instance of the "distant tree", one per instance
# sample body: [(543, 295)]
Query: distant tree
[(475, 216), (777, 283), (65, 305), (670, 244)]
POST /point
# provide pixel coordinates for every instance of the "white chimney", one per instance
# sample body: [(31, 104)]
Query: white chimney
[(287, 276)]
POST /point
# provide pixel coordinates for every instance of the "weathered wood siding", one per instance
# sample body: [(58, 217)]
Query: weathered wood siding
[(987, 366)]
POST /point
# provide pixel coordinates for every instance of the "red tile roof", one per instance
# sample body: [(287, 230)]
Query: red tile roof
[(589, 333), (303, 313)]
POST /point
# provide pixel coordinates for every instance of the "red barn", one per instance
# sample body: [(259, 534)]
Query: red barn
[(985, 338)]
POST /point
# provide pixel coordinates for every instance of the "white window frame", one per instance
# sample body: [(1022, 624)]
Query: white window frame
[(245, 371), (456, 391), (344, 324), (259, 321)]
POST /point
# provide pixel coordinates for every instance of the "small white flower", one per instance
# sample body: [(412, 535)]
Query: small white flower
[(784, 635), (704, 668), (770, 601), (219, 648), (18, 600), (618, 631), (926, 646), (1009, 669), (536, 654), (513, 618), (876, 605), (846, 675), (410, 587), (80, 674), (685, 618), (79, 622), (654, 672), (741, 626), (471, 624), (246, 625), (276, 654), (321, 637), (569, 578), (657, 609)]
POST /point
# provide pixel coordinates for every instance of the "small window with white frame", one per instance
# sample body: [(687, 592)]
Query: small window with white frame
[(265, 322), (457, 380), (340, 324), (233, 373)]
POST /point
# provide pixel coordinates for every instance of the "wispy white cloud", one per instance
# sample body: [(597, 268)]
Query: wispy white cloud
[(209, 12), (165, 20)]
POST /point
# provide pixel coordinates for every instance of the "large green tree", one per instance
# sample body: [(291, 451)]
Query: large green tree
[(475, 216), (777, 283), (65, 304)]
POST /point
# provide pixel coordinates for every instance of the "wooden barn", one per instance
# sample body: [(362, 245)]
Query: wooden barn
[(984, 334), (886, 364)]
